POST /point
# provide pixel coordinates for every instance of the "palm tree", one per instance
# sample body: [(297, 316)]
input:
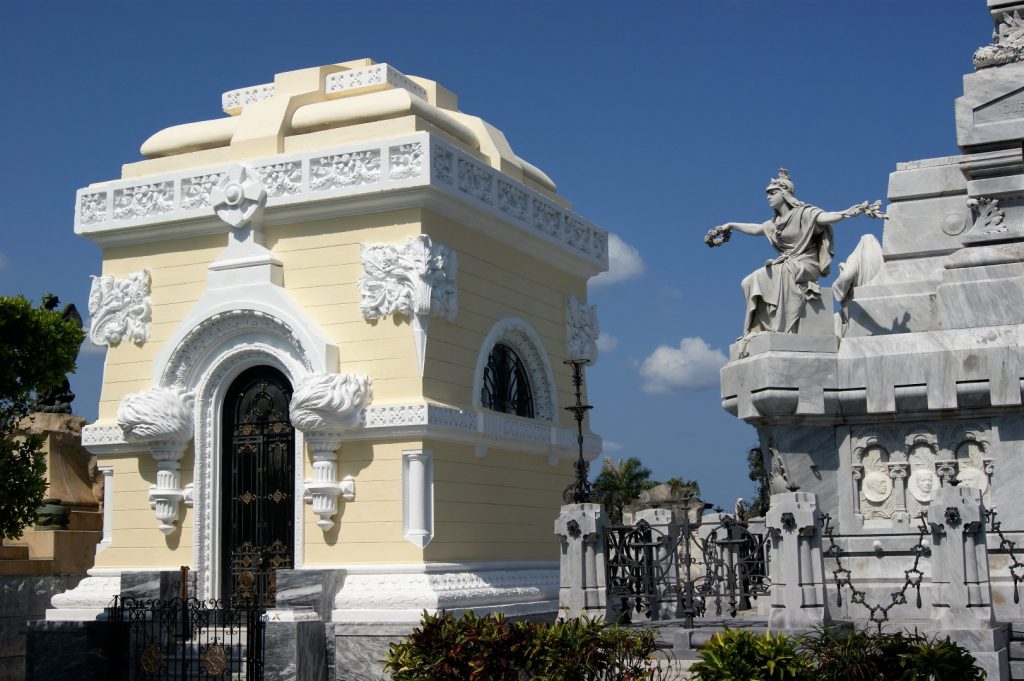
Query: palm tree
[(619, 483)]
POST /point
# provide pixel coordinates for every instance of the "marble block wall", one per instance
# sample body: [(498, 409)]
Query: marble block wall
[(920, 385), (22, 599)]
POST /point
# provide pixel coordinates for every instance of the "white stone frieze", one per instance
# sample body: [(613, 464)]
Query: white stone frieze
[(119, 309), (232, 101), (429, 420), (354, 80), (166, 206)]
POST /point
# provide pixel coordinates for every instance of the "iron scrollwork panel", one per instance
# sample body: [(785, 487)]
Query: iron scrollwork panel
[(261, 499), (662, 574)]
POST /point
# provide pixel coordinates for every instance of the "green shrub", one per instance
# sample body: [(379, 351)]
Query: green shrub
[(834, 655), (862, 655), (738, 655), (491, 648)]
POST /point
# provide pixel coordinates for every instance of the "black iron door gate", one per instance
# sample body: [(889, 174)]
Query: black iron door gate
[(258, 466)]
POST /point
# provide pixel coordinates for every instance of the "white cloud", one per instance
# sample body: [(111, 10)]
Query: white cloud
[(609, 446), (694, 364), (624, 262), (671, 292), (606, 343)]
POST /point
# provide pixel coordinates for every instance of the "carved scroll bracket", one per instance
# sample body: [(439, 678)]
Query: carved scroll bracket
[(161, 419), (324, 407)]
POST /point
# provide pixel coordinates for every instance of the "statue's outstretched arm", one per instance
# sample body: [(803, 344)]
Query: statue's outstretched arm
[(872, 210), (752, 228)]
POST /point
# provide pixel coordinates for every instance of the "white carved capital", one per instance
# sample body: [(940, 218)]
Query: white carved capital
[(161, 419), (323, 407), (119, 309), (238, 196), (581, 330)]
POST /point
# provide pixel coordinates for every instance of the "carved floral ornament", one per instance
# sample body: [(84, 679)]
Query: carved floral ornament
[(237, 196), (417, 278), (581, 330), (1007, 46), (119, 309)]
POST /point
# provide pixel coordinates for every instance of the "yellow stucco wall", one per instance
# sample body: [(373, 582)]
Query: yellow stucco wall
[(497, 508)]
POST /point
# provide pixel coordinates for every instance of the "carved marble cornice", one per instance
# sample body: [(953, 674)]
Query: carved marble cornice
[(411, 170), (422, 420)]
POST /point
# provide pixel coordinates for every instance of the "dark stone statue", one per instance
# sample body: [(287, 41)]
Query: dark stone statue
[(57, 399)]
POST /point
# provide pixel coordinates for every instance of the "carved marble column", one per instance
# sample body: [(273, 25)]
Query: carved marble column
[(581, 528), (797, 565), (899, 472), (324, 407), (161, 419)]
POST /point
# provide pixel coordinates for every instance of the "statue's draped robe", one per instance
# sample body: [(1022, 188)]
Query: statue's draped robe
[(776, 293)]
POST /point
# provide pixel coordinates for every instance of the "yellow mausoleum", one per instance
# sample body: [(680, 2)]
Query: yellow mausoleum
[(337, 320)]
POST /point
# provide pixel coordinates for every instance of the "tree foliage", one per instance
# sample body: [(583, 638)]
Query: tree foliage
[(619, 483), (757, 506), (38, 347)]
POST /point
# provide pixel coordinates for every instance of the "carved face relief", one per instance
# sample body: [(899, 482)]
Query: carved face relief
[(922, 484), (972, 476), (877, 487)]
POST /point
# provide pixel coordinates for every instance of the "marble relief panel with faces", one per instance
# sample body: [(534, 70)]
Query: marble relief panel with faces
[(897, 470)]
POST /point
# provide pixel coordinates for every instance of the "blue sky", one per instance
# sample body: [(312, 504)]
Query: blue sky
[(659, 120)]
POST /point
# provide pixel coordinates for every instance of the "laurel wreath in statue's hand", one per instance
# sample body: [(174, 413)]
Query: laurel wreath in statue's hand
[(872, 210), (717, 236)]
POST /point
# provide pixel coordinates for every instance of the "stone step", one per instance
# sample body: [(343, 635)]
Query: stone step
[(87, 521), (1016, 670), (14, 552)]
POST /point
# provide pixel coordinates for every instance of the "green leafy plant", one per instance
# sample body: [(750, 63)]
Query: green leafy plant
[(449, 648), (38, 347), (739, 655), (619, 483)]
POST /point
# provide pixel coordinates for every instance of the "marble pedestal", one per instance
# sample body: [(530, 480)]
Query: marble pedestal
[(295, 646)]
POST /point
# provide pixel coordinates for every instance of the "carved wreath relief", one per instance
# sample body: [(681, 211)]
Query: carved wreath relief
[(896, 476), (417, 278), (120, 309), (581, 329)]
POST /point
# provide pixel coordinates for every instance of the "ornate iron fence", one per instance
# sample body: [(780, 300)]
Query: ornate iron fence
[(185, 639), (684, 570)]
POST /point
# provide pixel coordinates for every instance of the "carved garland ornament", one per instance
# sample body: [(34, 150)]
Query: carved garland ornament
[(581, 330), (1008, 46), (120, 309)]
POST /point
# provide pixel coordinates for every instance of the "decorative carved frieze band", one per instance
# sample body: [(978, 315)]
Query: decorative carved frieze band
[(119, 309), (177, 202), (581, 330), (232, 101), (446, 424), (161, 419), (324, 407), (371, 77)]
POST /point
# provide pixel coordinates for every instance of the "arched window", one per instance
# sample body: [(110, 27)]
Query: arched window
[(506, 385)]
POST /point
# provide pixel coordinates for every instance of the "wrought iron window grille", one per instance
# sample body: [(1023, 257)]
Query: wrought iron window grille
[(506, 385)]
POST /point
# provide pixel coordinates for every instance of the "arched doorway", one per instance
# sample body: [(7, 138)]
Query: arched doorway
[(258, 483)]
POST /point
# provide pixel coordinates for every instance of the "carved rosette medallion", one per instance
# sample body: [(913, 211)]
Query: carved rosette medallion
[(238, 196), (415, 281), (161, 419), (581, 330), (324, 407), (119, 309)]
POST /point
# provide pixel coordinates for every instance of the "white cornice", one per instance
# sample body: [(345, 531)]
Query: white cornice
[(411, 170), (481, 428)]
